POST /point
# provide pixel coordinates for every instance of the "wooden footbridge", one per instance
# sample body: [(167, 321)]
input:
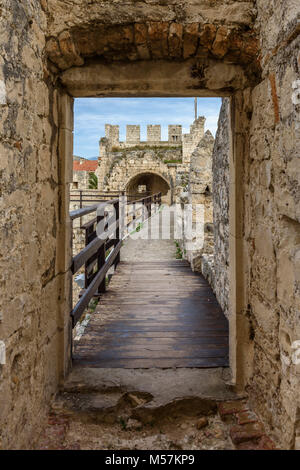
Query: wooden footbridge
[(153, 313)]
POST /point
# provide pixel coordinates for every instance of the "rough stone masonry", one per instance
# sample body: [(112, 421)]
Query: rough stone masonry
[(53, 50)]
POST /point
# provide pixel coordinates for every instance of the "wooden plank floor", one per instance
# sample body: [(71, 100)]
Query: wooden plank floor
[(155, 314)]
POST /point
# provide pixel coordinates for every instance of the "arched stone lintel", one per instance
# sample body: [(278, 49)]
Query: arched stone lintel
[(146, 172), (155, 78)]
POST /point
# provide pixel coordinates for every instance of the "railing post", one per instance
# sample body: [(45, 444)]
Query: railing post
[(134, 216), (143, 209), (80, 204), (86, 264), (101, 259), (117, 209)]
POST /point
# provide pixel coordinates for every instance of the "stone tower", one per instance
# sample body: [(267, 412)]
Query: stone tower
[(112, 135), (197, 129), (175, 133), (133, 134), (153, 133), (191, 140)]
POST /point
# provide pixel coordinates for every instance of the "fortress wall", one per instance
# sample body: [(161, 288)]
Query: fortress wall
[(191, 140), (220, 189), (272, 222), (35, 290)]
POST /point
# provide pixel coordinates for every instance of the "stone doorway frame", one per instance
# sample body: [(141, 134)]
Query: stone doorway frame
[(240, 351)]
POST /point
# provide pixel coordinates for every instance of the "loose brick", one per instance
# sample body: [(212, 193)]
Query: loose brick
[(231, 407), (246, 432), (264, 443), (245, 417)]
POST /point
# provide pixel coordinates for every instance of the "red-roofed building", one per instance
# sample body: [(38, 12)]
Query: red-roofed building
[(81, 172), (85, 165)]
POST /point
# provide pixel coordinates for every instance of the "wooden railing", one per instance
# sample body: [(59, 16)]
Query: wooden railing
[(93, 195), (96, 257)]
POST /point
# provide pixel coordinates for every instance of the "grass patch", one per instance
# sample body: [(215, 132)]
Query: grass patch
[(123, 424), (179, 254), (177, 161), (93, 304), (138, 228)]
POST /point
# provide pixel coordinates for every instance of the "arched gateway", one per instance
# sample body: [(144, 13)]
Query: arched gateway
[(150, 182)]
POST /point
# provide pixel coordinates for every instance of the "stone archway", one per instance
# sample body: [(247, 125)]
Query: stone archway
[(116, 169), (149, 182), (207, 62)]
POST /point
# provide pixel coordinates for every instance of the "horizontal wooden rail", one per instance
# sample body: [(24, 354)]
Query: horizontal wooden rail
[(93, 287), (82, 257), (89, 209), (83, 211), (84, 196), (92, 248)]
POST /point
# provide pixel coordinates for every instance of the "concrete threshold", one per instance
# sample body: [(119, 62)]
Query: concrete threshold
[(149, 395)]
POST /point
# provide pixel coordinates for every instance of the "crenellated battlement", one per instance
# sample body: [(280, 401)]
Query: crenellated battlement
[(133, 137)]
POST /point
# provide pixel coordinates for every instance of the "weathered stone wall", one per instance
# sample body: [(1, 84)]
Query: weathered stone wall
[(191, 140), (116, 169), (218, 270), (31, 206), (272, 222), (80, 180), (139, 30), (199, 196)]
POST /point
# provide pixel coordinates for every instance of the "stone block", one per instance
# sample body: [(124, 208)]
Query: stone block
[(285, 278), (175, 40), (245, 417), (263, 443), (158, 33), (66, 113), (190, 39), (266, 315), (247, 432), (65, 156), (140, 34)]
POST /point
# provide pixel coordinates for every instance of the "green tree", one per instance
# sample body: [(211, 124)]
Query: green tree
[(93, 181)]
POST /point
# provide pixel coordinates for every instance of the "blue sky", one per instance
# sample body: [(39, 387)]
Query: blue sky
[(91, 115)]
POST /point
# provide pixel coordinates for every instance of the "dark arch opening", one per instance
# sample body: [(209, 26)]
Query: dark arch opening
[(149, 183)]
